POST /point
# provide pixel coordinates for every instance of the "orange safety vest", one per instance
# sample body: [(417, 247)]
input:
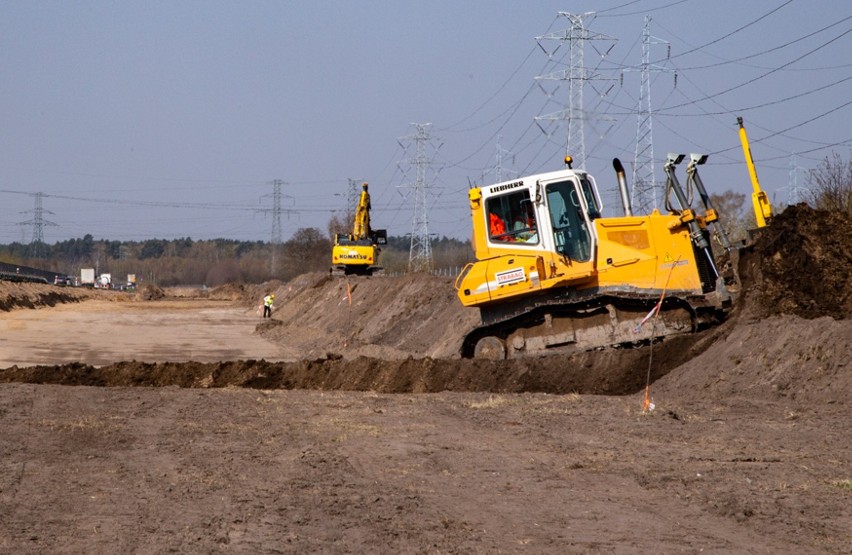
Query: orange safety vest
[(497, 225)]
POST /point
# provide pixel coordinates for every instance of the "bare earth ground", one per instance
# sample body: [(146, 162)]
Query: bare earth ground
[(100, 332), (377, 438)]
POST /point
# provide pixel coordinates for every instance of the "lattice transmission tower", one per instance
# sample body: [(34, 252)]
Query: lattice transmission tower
[(795, 193), (276, 211), (499, 169), (353, 194), (576, 35), (422, 161), (643, 194), (38, 224)]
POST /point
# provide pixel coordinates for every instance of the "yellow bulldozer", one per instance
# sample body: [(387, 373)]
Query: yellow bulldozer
[(552, 275), (357, 253)]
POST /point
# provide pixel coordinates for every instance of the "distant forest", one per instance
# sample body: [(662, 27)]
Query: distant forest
[(169, 262)]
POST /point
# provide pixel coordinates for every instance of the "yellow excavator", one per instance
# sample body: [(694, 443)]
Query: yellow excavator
[(358, 252), (552, 275)]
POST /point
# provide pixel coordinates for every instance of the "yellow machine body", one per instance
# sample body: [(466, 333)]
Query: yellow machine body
[(544, 254), (358, 252), (354, 255)]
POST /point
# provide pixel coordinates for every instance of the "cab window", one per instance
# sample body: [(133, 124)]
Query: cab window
[(511, 218), (570, 230), (591, 198)]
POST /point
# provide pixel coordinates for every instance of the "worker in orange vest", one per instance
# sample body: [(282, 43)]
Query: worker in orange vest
[(497, 227)]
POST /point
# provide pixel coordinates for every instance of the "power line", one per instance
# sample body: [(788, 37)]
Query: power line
[(800, 124), (155, 204), (773, 49), (766, 74), (645, 11), (489, 99), (735, 31), (764, 104)]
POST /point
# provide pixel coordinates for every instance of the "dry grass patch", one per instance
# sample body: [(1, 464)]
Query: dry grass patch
[(492, 402), (843, 484), (81, 423), (342, 428)]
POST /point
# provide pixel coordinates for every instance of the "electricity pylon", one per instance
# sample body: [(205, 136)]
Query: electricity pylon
[(577, 75), (420, 253), (643, 193), (38, 222), (276, 211)]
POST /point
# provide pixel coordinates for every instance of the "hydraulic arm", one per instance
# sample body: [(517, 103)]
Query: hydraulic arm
[(762, 208)]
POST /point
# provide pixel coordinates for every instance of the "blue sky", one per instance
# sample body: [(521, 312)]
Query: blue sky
[(164, 119)]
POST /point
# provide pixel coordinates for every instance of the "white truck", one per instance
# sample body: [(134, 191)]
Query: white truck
[(87, 277), (104, 281)]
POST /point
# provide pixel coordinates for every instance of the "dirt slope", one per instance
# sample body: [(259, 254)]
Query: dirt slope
[(415, 315), (35, 295), (790, 335)]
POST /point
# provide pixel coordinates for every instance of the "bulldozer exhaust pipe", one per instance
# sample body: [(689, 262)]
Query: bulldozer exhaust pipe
[(622, 186)]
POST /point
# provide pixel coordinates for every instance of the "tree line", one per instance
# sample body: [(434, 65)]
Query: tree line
[(184, 261)]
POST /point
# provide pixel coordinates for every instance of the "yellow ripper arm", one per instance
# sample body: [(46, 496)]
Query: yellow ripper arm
[(762, 208)]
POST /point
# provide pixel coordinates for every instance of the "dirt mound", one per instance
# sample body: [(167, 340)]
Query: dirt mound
[(149, 292), (230, 292), (790, 335), (781, 357), (415, 315), (184, 292), (14, 295), (800, 265)]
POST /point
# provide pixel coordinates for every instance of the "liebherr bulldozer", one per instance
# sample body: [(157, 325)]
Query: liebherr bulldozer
[(553, 275)]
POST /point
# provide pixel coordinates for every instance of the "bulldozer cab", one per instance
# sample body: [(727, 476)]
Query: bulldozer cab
[(553, 213)]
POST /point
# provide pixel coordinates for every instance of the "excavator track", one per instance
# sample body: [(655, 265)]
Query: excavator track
[(344, 271)]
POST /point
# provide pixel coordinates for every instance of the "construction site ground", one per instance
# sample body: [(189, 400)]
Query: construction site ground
[(181, 421)]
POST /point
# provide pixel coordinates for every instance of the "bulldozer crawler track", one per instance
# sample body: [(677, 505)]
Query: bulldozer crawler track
[(602, 322)]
